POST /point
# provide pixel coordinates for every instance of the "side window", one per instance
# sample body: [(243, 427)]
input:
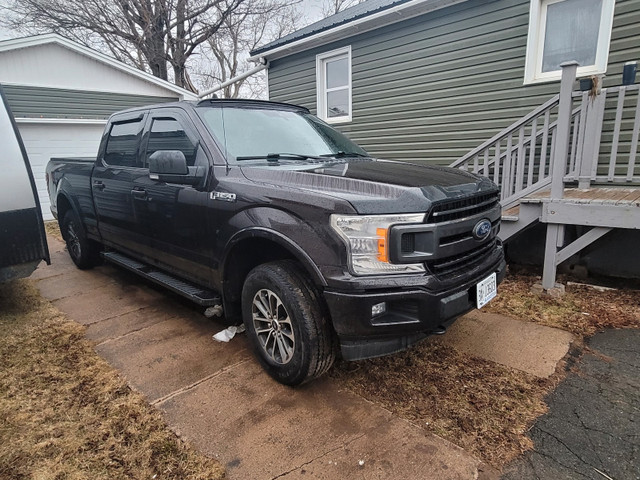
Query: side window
[(333, 85), (168, 134), (122, 144)]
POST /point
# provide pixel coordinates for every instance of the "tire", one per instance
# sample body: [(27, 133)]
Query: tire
[(299, 345), (85, 253)]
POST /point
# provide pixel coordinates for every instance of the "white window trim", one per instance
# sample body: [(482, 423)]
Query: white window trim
[(321, 91), (535, 43)]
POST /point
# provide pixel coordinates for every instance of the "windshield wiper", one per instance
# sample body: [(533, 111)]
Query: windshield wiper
[(274, 157), (342, 154)]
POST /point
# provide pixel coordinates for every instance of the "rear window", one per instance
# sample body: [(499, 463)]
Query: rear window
[(123, 143)]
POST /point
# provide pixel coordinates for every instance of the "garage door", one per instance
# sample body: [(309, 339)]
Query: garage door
[(44, 141)]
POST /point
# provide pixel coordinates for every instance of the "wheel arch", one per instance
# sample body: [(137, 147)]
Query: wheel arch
[(252, 247)]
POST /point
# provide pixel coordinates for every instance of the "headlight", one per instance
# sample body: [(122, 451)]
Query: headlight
[(367, 238)]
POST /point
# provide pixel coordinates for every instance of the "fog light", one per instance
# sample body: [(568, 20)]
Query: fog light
[(378, 309)]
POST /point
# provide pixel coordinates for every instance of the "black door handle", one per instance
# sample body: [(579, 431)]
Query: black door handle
[(98, 184), (140, 194)]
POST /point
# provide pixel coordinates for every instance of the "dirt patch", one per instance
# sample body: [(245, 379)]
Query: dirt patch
[(479, 405), (65, 414), (52, 228), (583, 310)]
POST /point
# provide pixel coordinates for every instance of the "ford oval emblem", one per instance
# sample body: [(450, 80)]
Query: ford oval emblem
[(482, 229)]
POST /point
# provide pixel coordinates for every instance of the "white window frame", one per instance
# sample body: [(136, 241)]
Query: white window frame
[(321, 90), (535, 43)]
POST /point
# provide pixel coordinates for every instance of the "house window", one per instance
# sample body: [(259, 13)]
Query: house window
[(333, 85), (565, 30)]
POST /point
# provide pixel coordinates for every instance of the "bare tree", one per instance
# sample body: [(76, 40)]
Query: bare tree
[(331, 7), (157, 35), (255, 23)]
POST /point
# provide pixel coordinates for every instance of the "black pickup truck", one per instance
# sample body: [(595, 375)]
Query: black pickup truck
[(268, 213)]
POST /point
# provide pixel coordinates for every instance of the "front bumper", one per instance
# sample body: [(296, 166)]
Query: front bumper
[(411, 314)]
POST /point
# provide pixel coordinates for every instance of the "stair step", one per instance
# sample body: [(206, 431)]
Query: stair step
[(195, 293), (511, 214)]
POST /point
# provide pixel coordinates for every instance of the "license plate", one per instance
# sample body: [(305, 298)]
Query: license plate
[(486, 290)]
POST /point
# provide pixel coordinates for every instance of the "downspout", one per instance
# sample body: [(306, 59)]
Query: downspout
[(263, 65)]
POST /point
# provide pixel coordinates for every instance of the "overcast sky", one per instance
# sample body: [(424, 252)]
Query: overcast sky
[(4, 34)]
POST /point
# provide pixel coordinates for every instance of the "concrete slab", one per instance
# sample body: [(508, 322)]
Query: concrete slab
[(116, 327), (60, 263), (106, 302), (262, 430), (74, 282), (55, 245), (170, 355), (525, 346)]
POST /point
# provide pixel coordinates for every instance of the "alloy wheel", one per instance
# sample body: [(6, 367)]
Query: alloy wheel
[(273, 326)]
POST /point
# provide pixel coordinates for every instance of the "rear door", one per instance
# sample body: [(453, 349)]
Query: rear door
[(118, 166)]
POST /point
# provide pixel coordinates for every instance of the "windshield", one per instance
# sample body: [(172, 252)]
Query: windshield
[(254, 133)]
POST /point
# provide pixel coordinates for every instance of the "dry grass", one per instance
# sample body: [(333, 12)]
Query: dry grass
[(65, 414), (52, 228), (582, 310), (479, 405)]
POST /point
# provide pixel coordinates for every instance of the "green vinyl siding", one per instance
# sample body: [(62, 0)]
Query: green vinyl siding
[(40, 102), (433, 87)]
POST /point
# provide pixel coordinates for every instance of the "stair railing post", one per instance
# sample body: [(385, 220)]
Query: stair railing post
[(592, 135), (561, 151), (558, 169)]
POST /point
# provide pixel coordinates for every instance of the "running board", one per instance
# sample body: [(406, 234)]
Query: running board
[(199, 295)]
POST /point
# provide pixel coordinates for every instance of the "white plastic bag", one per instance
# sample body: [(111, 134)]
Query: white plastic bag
[(228, 333)]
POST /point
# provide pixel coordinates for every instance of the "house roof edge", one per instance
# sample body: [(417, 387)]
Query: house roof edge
[(47, 38), (346, 24)]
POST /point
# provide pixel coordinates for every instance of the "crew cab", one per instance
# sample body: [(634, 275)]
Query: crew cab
[(263, 211)]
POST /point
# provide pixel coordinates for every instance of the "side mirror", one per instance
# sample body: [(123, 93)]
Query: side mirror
[(171, 166), (168, 162)]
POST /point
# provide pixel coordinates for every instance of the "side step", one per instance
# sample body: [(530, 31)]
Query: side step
[(199, 295)]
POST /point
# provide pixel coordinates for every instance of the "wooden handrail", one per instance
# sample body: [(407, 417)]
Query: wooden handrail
[(549, 104)]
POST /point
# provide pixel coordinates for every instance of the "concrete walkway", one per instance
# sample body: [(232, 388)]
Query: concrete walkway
[(218, 398)]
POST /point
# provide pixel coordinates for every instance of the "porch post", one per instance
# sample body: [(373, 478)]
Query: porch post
[(592, 135), (561, 151), (558, 169)]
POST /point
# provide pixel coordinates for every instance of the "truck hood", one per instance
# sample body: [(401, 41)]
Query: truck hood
[(371, 185)]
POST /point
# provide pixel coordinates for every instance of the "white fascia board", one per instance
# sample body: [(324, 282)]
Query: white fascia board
[(392, 15), (61, 121), (36, 40)]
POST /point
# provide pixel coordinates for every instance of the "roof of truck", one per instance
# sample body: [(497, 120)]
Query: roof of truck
[(218, 102)]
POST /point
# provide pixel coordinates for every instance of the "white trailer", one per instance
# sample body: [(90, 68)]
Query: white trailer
[(23, 242)]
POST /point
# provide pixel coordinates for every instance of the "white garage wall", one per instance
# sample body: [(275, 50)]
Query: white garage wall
[(43, 141)]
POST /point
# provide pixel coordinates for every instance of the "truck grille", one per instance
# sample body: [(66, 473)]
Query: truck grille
[(449, 210), (464, 260)]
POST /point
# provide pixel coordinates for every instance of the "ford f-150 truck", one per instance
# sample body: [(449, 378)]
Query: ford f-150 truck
[(264, 211)]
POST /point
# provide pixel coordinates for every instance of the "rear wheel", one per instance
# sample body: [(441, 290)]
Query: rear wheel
[(85, 253), (287, 323)]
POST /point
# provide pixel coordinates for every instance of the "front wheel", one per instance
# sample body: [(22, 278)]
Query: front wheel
[(287, 323), (85, 253)]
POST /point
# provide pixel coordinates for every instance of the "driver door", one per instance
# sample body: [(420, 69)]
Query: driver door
[(174, 216)]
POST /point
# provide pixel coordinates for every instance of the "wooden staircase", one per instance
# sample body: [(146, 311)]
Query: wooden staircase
[(571, 161)]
